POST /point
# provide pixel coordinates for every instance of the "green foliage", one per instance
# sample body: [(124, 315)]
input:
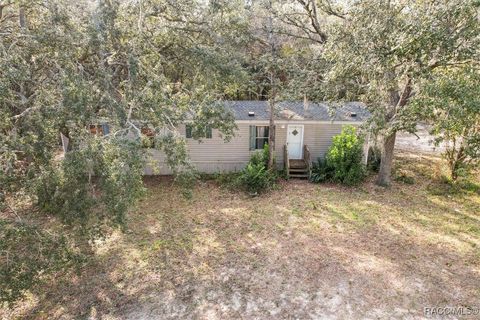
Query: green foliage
[(261, 158), (186, 179), (404, 178), (374, 157), (95, 185), (321, 171), (230, 180), (401, 44), (345, 157), (450, 103), (384, 49), (256, 177), (343, 162), (74, 63), (448, 187)]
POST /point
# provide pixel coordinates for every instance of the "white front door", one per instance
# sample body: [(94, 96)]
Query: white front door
[(295, 141)]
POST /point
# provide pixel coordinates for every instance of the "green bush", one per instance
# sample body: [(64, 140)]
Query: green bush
[(228, 180), (261, 158), (256, 177), (321, 171), (345, 157), (405, 178), (374, 159)]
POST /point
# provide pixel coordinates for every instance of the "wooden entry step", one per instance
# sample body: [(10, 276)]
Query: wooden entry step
[(298, 169), (297, 164)]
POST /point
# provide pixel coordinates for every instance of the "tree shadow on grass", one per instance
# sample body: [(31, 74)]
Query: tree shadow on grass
[(257, 263), (370, 273), (224, 255), (92, 292), (324, 255)]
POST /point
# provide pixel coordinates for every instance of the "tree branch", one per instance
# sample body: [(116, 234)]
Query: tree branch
[(311, 8), (407, 90), (327, 7)]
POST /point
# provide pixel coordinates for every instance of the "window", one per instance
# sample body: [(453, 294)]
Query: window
[(258, 137), (206, 132), (148, 137), (99, 129)]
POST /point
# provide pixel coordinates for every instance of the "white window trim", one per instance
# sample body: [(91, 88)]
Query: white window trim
[(256, 138)]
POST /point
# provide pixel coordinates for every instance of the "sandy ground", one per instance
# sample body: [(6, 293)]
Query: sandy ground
[(421, 142), (303, 251)]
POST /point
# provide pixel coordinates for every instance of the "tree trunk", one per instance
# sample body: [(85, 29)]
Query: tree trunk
[(397, 101), (273, 92), (384, 175), (271, 136), (454, 172), (458, 158), (21, 17)]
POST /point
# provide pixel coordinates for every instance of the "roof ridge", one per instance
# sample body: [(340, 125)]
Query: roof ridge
[(295, 110)]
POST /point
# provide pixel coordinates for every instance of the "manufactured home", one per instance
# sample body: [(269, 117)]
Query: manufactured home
[(303, 133)]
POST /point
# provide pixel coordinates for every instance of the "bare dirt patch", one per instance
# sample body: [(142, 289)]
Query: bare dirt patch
[(421, 141), (303, 251)]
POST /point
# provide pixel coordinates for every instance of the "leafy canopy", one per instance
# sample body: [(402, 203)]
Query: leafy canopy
[(450, 102), (67, 65), (383, 50)]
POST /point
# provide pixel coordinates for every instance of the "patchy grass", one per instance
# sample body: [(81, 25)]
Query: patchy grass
[(302, 251)]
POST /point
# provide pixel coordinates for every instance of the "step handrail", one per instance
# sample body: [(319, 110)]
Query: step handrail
[(286, 160), (307, 157)]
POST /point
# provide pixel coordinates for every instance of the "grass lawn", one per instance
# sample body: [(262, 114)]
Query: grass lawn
[(301, 251)]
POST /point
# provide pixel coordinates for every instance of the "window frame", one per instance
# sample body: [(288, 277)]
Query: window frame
[(99, 129), (208, 132), (256, 138)]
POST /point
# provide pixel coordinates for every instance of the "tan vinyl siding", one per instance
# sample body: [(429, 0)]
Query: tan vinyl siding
[(280, 140), (216, 155), (318, 138), (212, 155)]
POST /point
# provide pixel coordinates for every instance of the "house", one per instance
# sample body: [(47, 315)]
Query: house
[(303, 132)]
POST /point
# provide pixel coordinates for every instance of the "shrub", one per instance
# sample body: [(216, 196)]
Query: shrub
[(256, 177), (345, 157), (404, 177), (374, 158), (261, 158), (321, 171), (230, 180)]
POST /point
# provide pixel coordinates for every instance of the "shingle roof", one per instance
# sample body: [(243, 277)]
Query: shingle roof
[(298, 110)]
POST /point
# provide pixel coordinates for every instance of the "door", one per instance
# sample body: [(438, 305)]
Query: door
[(295, 141)]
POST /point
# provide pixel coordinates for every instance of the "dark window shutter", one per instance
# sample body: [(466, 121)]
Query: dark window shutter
[(188, 131), (252, 137), (208, 133), (105, 128)]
